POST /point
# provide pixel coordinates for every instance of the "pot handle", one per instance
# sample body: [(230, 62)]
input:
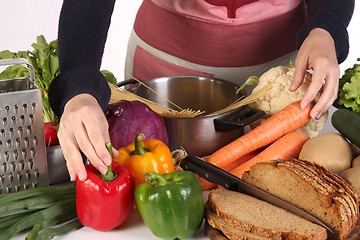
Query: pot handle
[(242, 118), (126, 82)]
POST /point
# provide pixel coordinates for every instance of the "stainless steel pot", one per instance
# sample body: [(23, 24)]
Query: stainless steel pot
[(56, 163), (205, 134)]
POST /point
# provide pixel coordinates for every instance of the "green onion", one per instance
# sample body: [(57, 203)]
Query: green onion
[(50, 233), (40, 217), (38, 209), (6, 198), (34, 202)]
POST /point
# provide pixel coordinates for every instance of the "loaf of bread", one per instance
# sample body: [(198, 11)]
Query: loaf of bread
[(312, 188), (240, 216)]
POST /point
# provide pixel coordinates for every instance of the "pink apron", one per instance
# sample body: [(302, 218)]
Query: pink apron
[(227, 39)]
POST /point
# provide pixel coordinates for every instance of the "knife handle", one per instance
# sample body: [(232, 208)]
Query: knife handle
[(210, 172)]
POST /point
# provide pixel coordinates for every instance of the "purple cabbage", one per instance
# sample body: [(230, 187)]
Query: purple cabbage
[(128, 118)]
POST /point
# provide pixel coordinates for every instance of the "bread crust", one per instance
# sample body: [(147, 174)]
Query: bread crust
[(339, 206), (341, 189)]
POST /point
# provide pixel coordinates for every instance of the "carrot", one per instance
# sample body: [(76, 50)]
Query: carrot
[(286, 147), (206, 185), (286, 120)]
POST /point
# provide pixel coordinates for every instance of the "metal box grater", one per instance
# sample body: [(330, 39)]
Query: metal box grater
[(23, 163)]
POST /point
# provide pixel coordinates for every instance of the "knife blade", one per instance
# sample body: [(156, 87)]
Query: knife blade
[(229, 181)]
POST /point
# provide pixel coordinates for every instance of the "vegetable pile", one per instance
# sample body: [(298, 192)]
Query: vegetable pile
[(170, 202), (285, 121), (346, 119), (279, 137), (282, 134), (38, 209)]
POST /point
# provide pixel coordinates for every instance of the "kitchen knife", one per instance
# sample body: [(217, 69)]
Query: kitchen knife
[(221, 177)]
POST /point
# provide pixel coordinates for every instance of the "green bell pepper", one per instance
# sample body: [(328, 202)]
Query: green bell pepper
[(171, 204)]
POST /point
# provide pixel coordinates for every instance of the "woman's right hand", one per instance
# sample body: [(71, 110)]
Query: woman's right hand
[(83, 127)]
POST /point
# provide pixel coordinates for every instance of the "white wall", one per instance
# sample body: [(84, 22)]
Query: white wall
[(22, 20)]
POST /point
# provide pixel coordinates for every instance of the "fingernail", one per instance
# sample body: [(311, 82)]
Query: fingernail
[(115, 151), (319, 116), (304, 104), (103, 170), (81, 177), (315, 115), (107, 161)]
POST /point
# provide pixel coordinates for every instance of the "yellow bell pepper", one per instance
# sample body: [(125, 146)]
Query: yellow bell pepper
[(145, 156)]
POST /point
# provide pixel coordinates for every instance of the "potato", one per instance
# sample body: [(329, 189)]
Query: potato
[(352, 176), (329, 150), (355, 162)]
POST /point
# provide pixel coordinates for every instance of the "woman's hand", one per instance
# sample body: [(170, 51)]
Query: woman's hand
[(318, 53), (83, 126)]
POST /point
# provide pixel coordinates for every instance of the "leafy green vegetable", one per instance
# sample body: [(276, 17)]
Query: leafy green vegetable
[(109, 76), (44, 58), (349, 88)]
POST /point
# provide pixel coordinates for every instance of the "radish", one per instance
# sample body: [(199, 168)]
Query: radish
[(51, 138)]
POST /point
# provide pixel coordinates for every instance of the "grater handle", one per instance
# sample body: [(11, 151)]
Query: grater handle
[(15, 61)]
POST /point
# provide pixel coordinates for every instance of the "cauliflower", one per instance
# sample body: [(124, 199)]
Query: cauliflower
[(279, 96)]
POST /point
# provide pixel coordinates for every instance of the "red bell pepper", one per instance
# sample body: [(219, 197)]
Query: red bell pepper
[(104, 202)]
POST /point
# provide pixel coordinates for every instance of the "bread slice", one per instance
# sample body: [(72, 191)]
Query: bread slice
[(231, 233), (242, 213), (310, 187)]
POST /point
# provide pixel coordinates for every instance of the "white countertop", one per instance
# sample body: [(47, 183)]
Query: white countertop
[(133, 229)]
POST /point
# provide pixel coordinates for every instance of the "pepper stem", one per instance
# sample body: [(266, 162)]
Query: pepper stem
[(139, 150), (154, 176), (110, 174)]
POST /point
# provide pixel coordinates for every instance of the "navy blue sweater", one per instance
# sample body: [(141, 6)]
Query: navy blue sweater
[(83, 27)]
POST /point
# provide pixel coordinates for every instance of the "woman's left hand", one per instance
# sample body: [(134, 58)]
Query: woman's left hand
[(318, 53)]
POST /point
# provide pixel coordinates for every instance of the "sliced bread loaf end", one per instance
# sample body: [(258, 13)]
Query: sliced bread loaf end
[(244, 213), (311, 188)]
